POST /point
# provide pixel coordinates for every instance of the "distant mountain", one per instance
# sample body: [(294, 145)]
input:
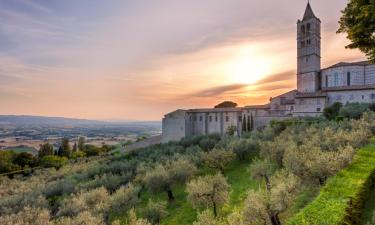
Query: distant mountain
[(22, 120)]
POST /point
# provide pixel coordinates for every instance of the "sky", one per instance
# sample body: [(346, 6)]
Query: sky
[(139, 59)]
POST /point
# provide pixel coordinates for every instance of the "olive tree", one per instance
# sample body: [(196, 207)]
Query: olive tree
[(264, 206), (208, 191), (218, 159), (165, 177), (155, 211)]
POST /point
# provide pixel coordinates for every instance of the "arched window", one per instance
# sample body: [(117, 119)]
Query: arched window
[(308, 27), (303, 30)]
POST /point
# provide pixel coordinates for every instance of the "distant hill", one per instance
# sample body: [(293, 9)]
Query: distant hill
[(23, 120)]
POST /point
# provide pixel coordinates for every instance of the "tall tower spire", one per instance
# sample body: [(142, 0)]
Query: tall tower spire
[(308, 51)]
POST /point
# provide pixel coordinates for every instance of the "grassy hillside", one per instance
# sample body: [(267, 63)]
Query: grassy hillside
[(264, 177)]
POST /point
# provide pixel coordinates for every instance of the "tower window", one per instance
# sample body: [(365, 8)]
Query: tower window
[(302, 44), (303, 29), (308, 27)]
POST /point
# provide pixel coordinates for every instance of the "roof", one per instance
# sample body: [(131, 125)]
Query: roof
[(266, 106), (311, 95), (309, 14), (207, 110), (341, 64), (294, 91)]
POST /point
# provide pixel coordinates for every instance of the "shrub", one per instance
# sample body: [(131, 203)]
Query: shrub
[(353, 110), (331, 112), (27, 216), (218, 159), (245, 149), (124, 198), (53, 161), (207, 143)]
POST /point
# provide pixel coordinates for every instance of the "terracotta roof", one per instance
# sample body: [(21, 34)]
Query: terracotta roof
[(311, 95), (266, 106)]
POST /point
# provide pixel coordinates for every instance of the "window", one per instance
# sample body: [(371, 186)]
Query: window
[(318, 109), (216, 118), (302, 44), (336, 79), (308, 27), (210, 118), (348, 78), (303, 29), (372, 96), (195, 118), (239, 118), (307, 59), (291, 108), (201, 118), (326, 80), (363, 97), (226, 118)]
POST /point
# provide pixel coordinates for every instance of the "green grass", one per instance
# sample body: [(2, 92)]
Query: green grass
[(341, 200), (23, 149), (180, 211)]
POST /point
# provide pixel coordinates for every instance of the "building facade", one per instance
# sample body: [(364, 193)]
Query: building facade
[(316, 89)]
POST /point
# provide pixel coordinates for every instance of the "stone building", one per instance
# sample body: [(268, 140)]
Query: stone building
[(316, 88)]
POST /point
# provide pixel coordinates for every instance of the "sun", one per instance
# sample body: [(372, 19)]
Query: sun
[(247, 66)]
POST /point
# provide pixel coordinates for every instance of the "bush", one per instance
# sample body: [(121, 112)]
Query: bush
[(53, 161), (353, 110), (332, 111)]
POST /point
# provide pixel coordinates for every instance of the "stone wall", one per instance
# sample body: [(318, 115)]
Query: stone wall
[(364, 96), (307, 82), (174, 126)]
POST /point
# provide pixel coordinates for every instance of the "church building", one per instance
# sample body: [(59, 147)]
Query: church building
[(317, 88)]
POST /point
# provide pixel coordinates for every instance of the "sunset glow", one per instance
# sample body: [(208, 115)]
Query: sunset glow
[(137, 60)]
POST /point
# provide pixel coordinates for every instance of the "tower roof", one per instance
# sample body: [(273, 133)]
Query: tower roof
[(309, 14)]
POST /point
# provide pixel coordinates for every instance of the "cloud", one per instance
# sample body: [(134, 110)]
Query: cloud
[(287, 75), (216, 91)]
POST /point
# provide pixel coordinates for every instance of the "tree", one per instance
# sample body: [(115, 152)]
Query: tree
[(45, 149), (358, 22), (65, 149), (332, 111), (226, 104), (206, 218), (133, 220), (155, 211), (231, 130), (53, 161), (124, 198), (75, 148), (208, 191), (251, 123), (218, 159), (264, 206), (244, 125), (81, 143), (25, 159), (262, 169), (245, 148), (165, 177)]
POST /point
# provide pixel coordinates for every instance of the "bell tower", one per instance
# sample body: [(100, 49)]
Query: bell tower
[(308, 52)]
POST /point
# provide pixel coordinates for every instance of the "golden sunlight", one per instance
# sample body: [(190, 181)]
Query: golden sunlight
[(247, 66)]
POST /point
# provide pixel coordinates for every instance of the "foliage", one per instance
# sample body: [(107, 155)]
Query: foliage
[(64, 149), (342, 197), (155, 211), (226, 104), (331, 112), (133, 220), (353, 110), (81, 143), (124, 198), (28, 216), (208, 191), (45, 149), (231, 130), (53, 161), (245, 149), (357, 21), (218, 159), (165, 177), (206, 218), (264, 206)]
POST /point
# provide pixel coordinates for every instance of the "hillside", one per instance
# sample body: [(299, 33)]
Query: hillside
[(265, 177)]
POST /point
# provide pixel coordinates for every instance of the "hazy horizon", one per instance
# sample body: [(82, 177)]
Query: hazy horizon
[(137, 60)]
